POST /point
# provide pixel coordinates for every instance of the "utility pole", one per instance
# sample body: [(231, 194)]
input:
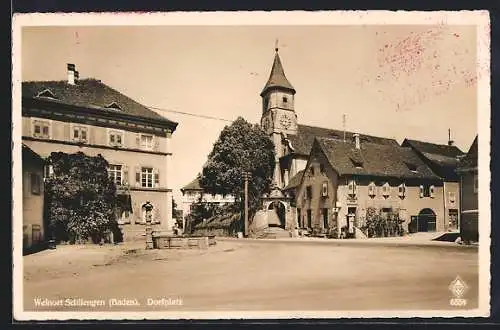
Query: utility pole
[(246, 176)]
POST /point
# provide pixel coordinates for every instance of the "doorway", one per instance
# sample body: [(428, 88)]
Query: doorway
[(453, 220), (426, 220), (280, 210)]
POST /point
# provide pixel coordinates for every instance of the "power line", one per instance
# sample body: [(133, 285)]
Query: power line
[(191, 114)]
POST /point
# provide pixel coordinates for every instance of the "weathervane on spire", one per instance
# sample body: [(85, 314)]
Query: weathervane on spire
[(276, 45)]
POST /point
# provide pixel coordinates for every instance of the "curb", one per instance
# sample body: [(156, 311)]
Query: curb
[(353, 242)]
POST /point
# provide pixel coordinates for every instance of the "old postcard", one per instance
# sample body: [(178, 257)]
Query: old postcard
[(255, 165)]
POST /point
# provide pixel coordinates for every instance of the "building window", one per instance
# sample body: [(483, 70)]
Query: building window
[(79, 133), (356, 162), (115, 174), (312, 170), (48, 171), (115, 138), (266, 103), (476, 183), (412, 167), (432, 194), (299, 218), (452, 196), (308, 192), (285, 99), (352, 188), (426, 191), (146, 141), (35, 184), (322, 168), (309, 218), (402, 190), (41, 129), (386, 189), (371, 189), (147, 177), (453, 219), (324, 189)]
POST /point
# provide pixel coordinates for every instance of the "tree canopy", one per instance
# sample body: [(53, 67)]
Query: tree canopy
[(241, 147), (80, 197)]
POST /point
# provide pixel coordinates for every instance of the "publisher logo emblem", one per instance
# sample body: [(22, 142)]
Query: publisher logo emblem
[(458, 287)]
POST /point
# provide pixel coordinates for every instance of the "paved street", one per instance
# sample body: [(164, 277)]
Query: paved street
[(252, 275)]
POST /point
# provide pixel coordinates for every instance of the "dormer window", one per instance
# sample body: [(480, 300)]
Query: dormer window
[(412, 167), (357, 163), (114, 105), (46, 93)]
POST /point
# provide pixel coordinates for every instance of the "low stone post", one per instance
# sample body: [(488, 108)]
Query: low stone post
[(149, 230)]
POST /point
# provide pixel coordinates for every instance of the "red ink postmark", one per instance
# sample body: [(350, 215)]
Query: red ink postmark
[(425, 65)]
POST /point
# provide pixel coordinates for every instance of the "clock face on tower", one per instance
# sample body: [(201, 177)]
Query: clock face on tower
[(285, 121)]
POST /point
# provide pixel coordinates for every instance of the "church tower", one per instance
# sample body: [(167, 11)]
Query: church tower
[(278, 112)]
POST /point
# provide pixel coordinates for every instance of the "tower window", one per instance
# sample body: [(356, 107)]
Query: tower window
[(266, 103), (285, 99)]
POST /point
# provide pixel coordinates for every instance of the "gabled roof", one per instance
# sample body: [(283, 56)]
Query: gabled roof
[(90, 93), (433, 148), (382, 160), (442, 158), (277, 78), (28, 152), (303, 140), (469, 161), (295, 181), (193, 185)]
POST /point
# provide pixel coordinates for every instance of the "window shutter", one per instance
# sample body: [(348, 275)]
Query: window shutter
[(156, 143), (125, 174), (402, 190), (137, 176), (156, 178), (431, 191), (421, 191), (138, 140)]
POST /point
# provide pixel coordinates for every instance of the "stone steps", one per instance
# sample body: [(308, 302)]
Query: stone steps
[(273, 233)]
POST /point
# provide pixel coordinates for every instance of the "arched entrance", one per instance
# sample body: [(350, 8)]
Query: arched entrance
[(426, 220), (280, 209)]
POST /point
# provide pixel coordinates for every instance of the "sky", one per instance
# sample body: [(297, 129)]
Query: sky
[(393, 81)]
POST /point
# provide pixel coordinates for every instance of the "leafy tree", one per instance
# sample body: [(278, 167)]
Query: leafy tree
[(241, 147), (81, 198)]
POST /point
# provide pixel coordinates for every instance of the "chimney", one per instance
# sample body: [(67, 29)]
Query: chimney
[(356, 140), (450, 141), (71, 74)]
